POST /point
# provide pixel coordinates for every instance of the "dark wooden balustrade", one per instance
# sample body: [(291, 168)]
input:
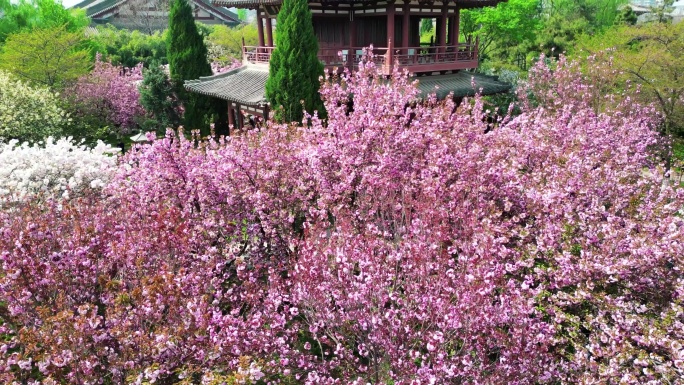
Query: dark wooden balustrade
[(413, 59)]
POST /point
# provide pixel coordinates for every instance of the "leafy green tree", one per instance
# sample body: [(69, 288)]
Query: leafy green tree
[(652, 55), (51, 56), (504, 30), (227, 41), (187, 56), (295, 69), (29, 14), (158, 98)]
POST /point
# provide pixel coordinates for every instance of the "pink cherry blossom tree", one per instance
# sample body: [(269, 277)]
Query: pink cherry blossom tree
[(110, 94), (398, 242)]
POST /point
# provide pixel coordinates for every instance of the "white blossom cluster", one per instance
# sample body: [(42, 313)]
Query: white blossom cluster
[(28, 112), (57, 168)]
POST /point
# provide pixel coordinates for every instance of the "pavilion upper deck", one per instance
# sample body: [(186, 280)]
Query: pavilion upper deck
[(391, 27), (418, 59)]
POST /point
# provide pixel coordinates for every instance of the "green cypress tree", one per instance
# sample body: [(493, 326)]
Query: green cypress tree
[(187, 56), (293, 81), (425, 26)]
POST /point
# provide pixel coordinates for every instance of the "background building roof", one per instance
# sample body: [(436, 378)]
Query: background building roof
[(101, 10)]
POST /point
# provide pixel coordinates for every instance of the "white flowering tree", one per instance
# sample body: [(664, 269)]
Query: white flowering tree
[(27, 112), (54, 168)]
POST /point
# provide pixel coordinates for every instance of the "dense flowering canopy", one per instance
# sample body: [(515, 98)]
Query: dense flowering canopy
[(28, 112), (397, 243), (111, 93)]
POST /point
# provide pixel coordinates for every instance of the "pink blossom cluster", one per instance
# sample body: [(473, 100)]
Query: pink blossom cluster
[(396, 242), (219, 68), (111, 93)]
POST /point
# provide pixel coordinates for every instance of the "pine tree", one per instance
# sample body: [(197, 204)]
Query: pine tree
[(295, 69), (187, 55), (626, 16), (158, 98)]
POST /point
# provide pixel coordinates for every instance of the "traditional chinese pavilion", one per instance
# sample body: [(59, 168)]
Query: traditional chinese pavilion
[(344, 28)]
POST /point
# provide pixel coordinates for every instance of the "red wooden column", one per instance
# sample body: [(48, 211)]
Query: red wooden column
[(231, 115), (240, 117), (456, 28), (266, 112), (442, 33), (390, 34), (351, 57), (405, 27), (260, 28), (269, 32)]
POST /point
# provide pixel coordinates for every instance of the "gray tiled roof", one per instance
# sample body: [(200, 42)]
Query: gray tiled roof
[(461, 84), (94, 8), (244, 85)]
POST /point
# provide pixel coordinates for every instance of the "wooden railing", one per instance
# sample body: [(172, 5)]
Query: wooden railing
[(351, 56), (257, 54), (411, 56), (414, 59)]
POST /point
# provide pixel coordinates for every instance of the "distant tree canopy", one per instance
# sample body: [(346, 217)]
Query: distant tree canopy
[(29, 14), (599, 14), (226, 42), (651, 55), (128, 48), (511, 24), (531, 27)]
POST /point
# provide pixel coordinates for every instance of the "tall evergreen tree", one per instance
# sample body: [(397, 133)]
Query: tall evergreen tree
[(293, 81), (187, 56)]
